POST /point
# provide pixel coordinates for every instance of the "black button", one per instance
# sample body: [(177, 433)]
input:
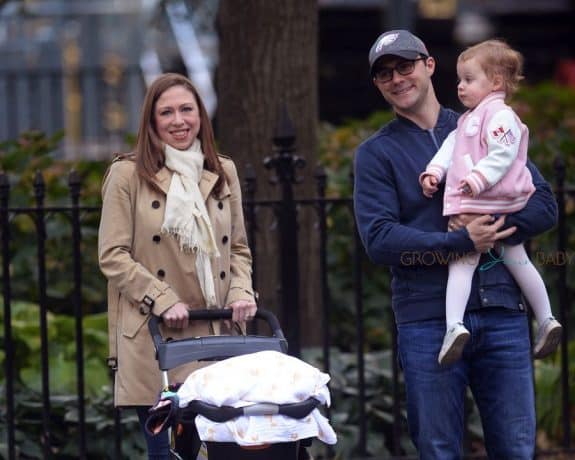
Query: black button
[(220, 205), (222, 275), (148, 301), (144, 309), (156, 238), (155, 204), (225, 239), (161, 273)]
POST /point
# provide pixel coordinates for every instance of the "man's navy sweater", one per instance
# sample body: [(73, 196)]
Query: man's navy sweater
[(402, 228)]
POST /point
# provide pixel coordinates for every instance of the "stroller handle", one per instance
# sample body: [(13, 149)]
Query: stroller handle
[(172, 353), (222, 414)]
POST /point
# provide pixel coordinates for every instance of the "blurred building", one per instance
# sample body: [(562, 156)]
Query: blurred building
[(82, 66), (540, 29)]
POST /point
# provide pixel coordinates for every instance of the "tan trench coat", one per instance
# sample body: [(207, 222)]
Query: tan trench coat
[(138, 261)]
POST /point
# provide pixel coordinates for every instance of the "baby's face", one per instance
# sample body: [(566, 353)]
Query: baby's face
[(474, 84)]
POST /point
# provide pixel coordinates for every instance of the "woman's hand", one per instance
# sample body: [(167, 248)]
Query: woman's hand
[(242, 310), (176, 316)]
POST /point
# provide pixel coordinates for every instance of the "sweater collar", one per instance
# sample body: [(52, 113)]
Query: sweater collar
[(442, 119)]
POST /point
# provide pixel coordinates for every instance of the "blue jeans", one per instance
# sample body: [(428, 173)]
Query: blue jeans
[(158, 445), (496, 365)]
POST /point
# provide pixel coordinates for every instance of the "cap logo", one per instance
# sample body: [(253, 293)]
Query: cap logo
[(385, 41)]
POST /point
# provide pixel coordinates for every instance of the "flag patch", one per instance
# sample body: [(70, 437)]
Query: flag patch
[(503, 135)]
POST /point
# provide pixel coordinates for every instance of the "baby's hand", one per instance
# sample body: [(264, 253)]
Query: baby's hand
[(465, 188), (429, 185)]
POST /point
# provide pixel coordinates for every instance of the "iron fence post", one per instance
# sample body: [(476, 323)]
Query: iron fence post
[(321, 179), (39, 194), (284, 162), (74, 184), (6, 295), (361, 448), (250, 217), (559, 166), (250, 211)]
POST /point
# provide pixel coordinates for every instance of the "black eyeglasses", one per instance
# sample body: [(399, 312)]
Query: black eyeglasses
[(385, 74)]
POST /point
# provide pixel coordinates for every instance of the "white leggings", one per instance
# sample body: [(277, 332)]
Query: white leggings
[(523, 271)]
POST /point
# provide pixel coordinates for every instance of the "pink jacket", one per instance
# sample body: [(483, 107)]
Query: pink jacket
[(489, 150)]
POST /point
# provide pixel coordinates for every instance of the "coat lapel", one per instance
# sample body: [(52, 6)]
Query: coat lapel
[(207, 183), (163, 179)]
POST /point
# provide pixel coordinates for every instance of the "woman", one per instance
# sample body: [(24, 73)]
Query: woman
[(171, 238)]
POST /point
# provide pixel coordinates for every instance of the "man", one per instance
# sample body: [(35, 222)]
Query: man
[(402, 228)]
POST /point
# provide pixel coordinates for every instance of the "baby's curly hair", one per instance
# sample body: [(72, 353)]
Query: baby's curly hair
[(496, 57)]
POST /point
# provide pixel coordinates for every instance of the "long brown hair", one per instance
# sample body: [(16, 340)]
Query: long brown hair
[(149, 148)]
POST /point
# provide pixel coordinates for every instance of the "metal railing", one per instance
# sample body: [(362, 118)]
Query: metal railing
[(284, 163)]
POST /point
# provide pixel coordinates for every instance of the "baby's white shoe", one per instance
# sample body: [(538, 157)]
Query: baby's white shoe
[(548, 338), (454, 341)]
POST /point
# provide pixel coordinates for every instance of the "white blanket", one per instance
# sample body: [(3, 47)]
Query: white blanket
[(263, 377)]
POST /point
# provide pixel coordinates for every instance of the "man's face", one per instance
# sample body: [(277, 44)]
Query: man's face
[(409, 84)]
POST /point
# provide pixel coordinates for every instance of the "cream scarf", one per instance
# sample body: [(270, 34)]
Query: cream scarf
[(186, 216)]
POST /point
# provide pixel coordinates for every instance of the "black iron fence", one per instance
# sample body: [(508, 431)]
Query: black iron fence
[(286, 209)]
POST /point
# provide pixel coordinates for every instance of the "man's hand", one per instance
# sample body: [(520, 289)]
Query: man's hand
[(485, 233), (429, 185), (176, 316), (461, 220)]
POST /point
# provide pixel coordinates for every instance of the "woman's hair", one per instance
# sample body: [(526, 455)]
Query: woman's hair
[(149, 148), (497, 58)]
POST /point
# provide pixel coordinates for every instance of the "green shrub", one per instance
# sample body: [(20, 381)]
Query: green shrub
[(63, 387), (21, 159)]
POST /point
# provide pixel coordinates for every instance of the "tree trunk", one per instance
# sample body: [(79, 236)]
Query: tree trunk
[(268, 60)]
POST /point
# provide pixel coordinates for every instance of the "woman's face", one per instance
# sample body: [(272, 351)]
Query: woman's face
[(177, 117)]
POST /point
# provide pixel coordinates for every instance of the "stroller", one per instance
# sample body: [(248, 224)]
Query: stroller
[(180, 421)]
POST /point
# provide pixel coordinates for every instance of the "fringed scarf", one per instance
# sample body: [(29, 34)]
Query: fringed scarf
[(186, 216)]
